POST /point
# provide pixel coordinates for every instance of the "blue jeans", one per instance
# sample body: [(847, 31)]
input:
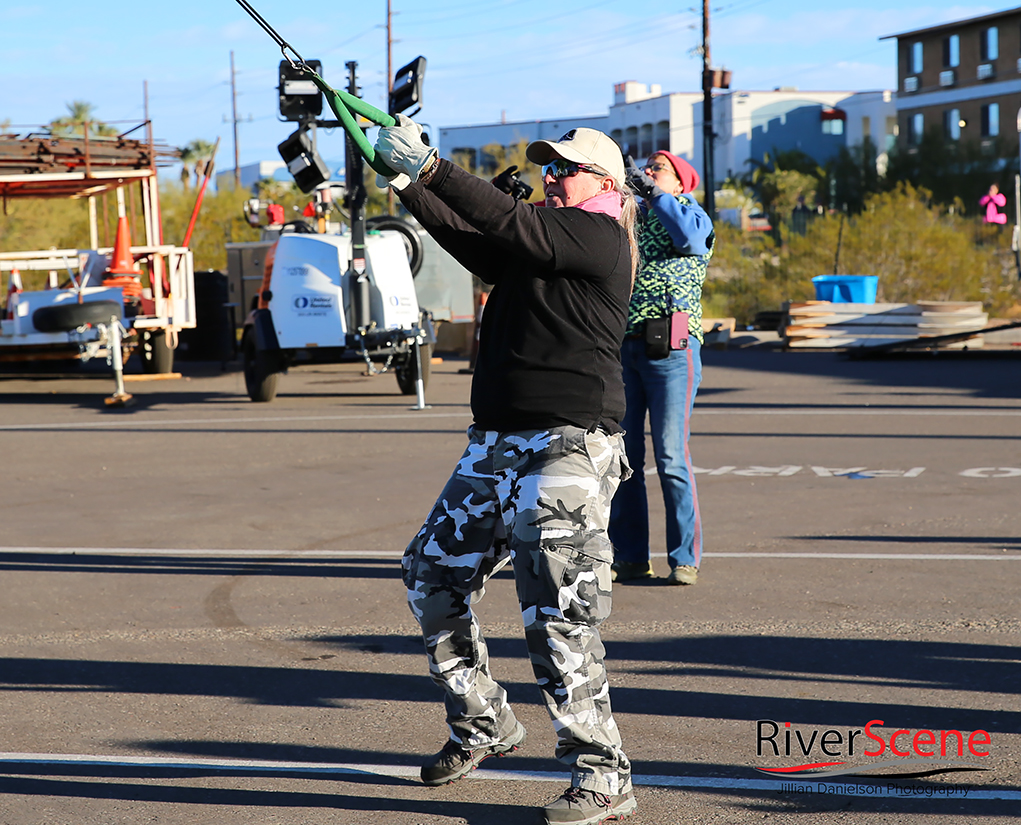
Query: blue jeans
[(665, 389)]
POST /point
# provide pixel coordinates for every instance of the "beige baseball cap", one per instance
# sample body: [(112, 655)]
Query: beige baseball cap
[(581, 145)]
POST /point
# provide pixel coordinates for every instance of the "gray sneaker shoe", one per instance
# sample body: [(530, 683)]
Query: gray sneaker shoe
[(454, 761), (683, 574), (623, 571), (580, 806)]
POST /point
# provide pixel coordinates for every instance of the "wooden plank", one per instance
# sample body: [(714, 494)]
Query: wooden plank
[(826, 307), (949, 306), (852, 343), (153, 376), (840, 343), (904, 331), (866, 332)]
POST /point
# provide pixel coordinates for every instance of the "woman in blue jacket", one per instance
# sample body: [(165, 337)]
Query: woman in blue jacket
[(676, 243)]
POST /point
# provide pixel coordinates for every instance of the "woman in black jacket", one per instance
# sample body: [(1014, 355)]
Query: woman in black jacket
[(544, 454)]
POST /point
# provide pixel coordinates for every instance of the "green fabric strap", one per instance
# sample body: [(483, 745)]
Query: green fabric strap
[(343, 104)]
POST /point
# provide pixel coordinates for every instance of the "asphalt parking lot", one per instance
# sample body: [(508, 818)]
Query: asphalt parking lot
[(202, 619)]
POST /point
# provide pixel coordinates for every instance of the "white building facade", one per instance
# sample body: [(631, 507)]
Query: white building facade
[(748, 124)]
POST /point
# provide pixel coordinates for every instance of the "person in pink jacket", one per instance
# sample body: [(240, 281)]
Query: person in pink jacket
[(990, 201)]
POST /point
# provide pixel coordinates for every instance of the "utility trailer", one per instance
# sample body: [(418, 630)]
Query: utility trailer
[(105, 301)]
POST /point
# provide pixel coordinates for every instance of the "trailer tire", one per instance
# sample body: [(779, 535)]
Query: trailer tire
[(66, 317), (412, 241), (407, 372), (155, 352), (261, 377)]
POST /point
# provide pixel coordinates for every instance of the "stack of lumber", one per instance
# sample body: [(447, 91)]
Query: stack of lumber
[(825, 325)]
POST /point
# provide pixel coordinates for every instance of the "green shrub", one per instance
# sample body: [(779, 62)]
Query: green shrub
[(920, 251)]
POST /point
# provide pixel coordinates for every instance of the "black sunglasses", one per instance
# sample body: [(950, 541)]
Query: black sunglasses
[(561, 168)]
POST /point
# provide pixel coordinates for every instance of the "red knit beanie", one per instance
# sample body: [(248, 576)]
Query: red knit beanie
[(685, 171)]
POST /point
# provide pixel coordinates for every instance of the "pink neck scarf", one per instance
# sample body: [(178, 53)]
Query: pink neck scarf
[(608, 203)]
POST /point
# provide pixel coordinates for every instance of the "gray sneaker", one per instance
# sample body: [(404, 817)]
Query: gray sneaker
[(580, 806), (455, 761), (683, 574)]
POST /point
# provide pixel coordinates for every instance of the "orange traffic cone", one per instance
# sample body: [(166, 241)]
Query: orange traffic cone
[(122, 272), (122, 262), (13, 288)]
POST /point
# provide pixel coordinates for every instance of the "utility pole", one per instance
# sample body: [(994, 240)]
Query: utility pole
[(391, 205), (389, 49), (708, 170), (234, 118)]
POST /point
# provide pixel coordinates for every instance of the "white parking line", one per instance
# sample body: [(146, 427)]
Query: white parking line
[(858, 411), (140, 420), (285, 555), (881, 788)]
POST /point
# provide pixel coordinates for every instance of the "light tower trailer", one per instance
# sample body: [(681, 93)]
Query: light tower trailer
[(313, 307), (82, 310), (330, 298)]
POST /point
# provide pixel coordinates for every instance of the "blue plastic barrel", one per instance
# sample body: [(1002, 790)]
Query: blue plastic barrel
[(846, 289)]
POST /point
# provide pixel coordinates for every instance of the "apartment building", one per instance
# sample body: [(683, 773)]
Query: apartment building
[(747, 125), (962, 78)]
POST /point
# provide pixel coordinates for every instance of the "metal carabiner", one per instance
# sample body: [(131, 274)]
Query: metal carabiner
[(300, 65)]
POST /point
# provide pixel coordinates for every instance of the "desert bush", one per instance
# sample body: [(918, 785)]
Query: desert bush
[(920, 250)]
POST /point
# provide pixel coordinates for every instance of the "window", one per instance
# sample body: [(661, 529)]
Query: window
[(990, 45), (951, 51), (916, 125), (952, 124), (866, 127), (663, 135), (645, 144), (630, 146), (915, 59), (991, 120), (833, 127), (890, 137)]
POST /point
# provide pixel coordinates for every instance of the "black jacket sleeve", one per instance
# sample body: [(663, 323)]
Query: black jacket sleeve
[(566, 242)]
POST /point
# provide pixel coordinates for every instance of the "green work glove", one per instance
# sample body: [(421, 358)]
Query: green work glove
[(402, 149), (641, 184)]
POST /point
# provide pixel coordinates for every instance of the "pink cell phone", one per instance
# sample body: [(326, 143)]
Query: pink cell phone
[(679, 330)]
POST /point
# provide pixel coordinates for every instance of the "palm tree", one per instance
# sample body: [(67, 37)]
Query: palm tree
[(80, 112), (187, 159), (194, 158)]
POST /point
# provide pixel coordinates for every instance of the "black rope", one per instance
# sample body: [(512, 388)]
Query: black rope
[(283, 44)]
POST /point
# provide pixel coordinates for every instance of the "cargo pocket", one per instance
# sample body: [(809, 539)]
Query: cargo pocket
[(571, 577)]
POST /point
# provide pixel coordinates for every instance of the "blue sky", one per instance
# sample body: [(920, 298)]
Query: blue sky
[(525, 59)]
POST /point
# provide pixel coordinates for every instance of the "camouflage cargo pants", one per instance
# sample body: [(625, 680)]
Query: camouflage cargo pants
[(541, 500)]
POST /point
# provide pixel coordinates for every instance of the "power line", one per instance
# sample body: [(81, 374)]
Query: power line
[(473, 12), (584, 47), (525, 24), (831, 63)]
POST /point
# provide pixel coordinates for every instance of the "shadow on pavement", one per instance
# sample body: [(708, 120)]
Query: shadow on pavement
[(754, 666), (490, 813), (367, 567), (37, 781), (982, 377), (998, 542)]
